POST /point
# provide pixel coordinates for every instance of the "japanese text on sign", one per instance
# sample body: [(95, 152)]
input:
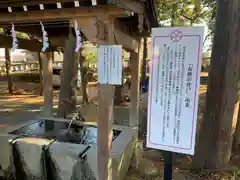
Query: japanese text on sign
[(110, 64), (174, 87)]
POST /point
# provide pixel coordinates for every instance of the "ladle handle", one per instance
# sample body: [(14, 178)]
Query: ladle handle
[(82, 154)]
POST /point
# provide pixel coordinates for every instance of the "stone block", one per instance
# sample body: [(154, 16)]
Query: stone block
[(6, 161), (69, 161), (64, 158), (28, 158)]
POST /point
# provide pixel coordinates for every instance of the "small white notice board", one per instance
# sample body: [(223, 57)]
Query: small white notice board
[(110, 64), (174, 88)]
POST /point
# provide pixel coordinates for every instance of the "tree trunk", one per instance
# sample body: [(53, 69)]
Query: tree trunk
[(66, 104), (219, 121), (40, 74), (8, 66), (84, 80), (47, 83)]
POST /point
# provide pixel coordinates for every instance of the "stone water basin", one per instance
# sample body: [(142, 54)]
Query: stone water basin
[(46, 144), (57, 130)]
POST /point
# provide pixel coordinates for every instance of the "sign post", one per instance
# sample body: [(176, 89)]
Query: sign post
[(109, 74), (174, 90), (168, 158)]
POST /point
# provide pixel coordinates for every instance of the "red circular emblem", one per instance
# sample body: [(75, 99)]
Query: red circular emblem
[(176, 36)]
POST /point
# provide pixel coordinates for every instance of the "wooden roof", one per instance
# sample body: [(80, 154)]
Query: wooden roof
[(47, 3), (14, 11), (12, 7)]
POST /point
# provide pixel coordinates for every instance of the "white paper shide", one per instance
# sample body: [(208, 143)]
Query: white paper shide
[(110, 64), (45, 38), (14, 39), (78, 37), (176, 55)]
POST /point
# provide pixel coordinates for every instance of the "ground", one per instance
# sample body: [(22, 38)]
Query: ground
[(26, 104), (23, 106)]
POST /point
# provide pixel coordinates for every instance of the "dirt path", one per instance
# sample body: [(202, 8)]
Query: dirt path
[(24, 105)]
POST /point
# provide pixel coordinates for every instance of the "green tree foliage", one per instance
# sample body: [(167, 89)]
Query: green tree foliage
[(91, 58), (184, 12), (188, 12), (89, 53), (19, 34)]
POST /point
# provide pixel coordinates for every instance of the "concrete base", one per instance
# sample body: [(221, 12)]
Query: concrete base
[(66, 155), (28, 158)]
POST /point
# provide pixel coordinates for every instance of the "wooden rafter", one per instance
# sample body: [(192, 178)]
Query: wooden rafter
[(57, 38), (19, 3), (5, 4), (133, 6), (63, 28), (62, 14), (126, 40), (93, 29)]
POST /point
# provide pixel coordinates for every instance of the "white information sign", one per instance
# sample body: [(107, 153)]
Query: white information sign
[(110, 64), (176, 55)]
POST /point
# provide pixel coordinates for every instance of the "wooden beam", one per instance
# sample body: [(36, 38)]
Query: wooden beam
[(133, 6), (54, 39), (36, 30), (47, 59), (86, 25), (105, 117), (62, 14), (101, 2), (31, 45), (136, 59), (126, 40), (129, 43), (5, 4), (92, 28)]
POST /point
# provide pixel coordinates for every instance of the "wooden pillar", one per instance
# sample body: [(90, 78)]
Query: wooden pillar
[(135, 86), (84, 80), (144, 60), (47, 83), (74, 80), (8, 69), (65, 97), (105, 117)]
